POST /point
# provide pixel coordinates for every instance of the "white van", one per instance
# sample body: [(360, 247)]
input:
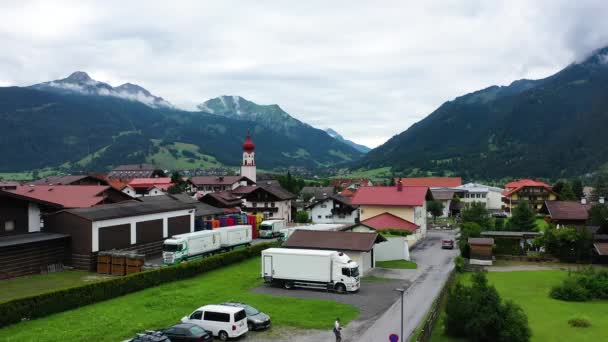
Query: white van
[(222, 320), (271, 228)]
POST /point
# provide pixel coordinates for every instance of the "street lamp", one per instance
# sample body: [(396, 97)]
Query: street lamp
[(402, 291)]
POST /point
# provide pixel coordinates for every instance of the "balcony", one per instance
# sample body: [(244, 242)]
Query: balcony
[(262, 209)]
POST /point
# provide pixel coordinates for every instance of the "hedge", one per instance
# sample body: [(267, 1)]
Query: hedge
[(41, 305)]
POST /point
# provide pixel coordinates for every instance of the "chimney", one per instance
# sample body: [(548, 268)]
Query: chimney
[(399, 185), (602, 200), (583, 200)]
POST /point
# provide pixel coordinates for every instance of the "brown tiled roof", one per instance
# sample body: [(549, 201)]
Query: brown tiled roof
[(481, 241), (442, 195), (319, 192), (218, 180), (431, 182), (279, 192), (331, 240), (568, 210)]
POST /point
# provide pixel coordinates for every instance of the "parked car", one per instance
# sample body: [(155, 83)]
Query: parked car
[(150, 336), (187, 332), (256, 320), (223, 321), (447, 244)]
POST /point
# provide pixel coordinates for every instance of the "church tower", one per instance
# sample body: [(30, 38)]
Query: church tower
[(248, 166)]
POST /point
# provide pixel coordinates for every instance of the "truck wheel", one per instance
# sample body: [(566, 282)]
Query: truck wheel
[(341, 289), (223, 335), (288, 285)]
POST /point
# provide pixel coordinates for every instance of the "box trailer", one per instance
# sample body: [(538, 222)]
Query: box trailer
[(234, 236), (308, 268), (182, 247), (271, 228)]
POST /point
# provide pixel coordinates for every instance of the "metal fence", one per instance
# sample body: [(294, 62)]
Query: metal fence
[(425, 333)]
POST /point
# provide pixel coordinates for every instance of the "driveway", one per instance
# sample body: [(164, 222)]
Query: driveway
[(378, 302)]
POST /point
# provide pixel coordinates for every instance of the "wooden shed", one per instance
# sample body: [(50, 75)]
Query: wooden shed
[(480, 251)]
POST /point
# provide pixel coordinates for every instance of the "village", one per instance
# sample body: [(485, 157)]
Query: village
[(137, 227)]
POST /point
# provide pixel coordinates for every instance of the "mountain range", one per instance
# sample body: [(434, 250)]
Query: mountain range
[(78, 123), (337, 136), (552, 127)]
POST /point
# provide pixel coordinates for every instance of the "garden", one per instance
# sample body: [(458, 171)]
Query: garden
[(158, 307)]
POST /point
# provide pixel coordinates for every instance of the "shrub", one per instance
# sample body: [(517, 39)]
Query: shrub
[(582, 286), (459, 264), (48, 303), (395, 232), (579, 322)]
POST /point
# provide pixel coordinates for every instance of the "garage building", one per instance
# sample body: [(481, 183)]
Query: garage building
[(138, 226), (358, 246)]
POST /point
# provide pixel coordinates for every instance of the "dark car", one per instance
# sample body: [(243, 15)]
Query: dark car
[(447, 244), (256, 320), (187, 332), (150, 336)]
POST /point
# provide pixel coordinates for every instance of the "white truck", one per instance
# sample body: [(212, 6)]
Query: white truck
[(271, 228), (308, 268), (182, 247), (234, 236)]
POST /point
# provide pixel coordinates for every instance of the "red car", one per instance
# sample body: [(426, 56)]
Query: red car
[(447, 244)]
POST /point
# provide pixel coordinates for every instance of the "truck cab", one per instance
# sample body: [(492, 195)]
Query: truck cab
[(271, 228), (346, 274), (174, 251)]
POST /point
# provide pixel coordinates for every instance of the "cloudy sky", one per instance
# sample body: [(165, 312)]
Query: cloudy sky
[(368, 69)]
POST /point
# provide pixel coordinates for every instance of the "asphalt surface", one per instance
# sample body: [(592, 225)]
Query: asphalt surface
[(378, 302)]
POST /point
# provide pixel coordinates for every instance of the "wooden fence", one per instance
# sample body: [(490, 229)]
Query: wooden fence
[(424, 334)]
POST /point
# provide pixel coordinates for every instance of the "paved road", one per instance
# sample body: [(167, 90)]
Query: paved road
[(434, 266), (380, 314)]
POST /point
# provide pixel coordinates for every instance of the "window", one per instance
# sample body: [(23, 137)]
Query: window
[(319, 216), (342, 216), (217, 316), (196, 331), (254, 204), (197, 315), (328, 216), (9, 226), (323, 205), (239, 316), (270, 215), (272, 204), (265, 204)]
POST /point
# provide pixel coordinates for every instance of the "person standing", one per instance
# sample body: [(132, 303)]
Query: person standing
[(338, 330)]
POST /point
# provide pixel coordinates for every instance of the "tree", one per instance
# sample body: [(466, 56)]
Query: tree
[(477, 313), (302, 217), (435, 208), (598, 216), (567, 193), (476, 212), (577, 188), (179, 184), (600, 186), (523, 218), (568, 244), (558, 187), (468, 230)]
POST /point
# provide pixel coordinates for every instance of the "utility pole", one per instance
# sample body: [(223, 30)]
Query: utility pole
[(402, 291)]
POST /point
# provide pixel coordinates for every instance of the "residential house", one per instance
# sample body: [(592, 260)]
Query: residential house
[(350, 183), (70, 180), (490, 196), (532, 192), (203, 185), (567, 213), (271, 201), (316, 193), (406, 202), (9, 185), (131, 225), (127, 172), (141, 187), (333, 209), (358, 246), (202, 212)]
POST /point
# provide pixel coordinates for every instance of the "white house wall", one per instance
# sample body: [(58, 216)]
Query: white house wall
[(33, 217), (133, 220), (320, 214), (395, 248)]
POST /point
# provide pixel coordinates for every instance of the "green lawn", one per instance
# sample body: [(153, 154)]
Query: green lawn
[(548, 317), (161, 306), (39, 283), (405, 264)]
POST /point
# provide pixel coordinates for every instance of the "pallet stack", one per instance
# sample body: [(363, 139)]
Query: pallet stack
[(134, 262), (104, 263), (119, 263)]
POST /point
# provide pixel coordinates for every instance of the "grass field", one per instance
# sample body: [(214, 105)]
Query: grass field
[(548, 317), (39, 283), (161, 306), (404, 264)]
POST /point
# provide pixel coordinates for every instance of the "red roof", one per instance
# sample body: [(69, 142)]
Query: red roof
[(162, 183), (410, 196), (390, 221), (347, 182), (431, 182), (117, 184), (347, 193), (515, 186), (67, 196)]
